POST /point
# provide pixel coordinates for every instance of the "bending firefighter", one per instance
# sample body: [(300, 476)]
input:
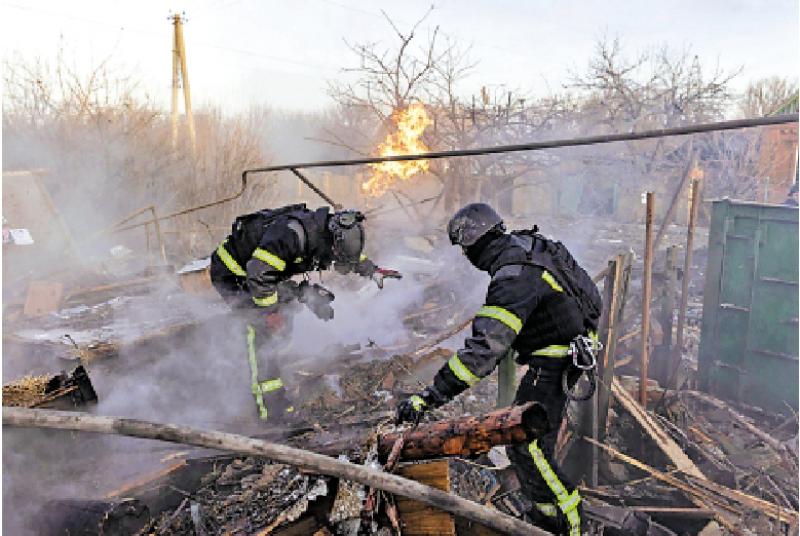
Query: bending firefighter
[(252, 269), (543, 305)]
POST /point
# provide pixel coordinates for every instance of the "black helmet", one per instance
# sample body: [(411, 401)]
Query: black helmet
[(472, 222), (348, 237)]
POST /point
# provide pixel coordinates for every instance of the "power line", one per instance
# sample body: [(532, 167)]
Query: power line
[(206, 44)]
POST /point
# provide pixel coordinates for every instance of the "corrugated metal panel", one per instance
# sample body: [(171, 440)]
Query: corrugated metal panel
[(749, 345)]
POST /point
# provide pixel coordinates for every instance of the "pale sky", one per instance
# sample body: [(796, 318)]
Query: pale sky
[(281, 54)]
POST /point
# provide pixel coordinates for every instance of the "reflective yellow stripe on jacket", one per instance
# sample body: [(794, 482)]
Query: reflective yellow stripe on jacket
[(503, 315), (461, 371), (554, 350), (561, 350), (273, 260), (228, 260)]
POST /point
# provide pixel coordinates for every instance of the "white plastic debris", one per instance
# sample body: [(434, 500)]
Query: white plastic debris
[(21, 237)]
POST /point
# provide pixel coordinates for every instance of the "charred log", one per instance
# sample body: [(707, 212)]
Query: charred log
[(469, 436)]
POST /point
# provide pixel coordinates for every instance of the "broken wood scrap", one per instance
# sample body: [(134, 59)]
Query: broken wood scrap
[(672, 511), (665, 443), (419, 352), (58, 391), (654, 430), (740, 419), (84, 292), (320, 464), (770, 509), (89, 516), (706, 491), (419, 519)]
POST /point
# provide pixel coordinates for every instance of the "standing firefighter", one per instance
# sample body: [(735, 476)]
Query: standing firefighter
[(544, 306), (252, 270)]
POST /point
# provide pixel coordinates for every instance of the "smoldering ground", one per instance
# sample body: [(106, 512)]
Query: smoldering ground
[(201, 377)]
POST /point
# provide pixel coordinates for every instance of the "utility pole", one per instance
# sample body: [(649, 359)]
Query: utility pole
[(180, 75)]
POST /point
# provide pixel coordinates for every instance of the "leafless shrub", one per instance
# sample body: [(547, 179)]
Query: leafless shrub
[(109, 148)]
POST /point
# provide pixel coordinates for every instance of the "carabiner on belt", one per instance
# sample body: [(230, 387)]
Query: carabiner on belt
[(583, 351)]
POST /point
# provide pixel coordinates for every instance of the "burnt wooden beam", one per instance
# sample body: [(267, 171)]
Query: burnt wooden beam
[(311, 461), (469, 436)]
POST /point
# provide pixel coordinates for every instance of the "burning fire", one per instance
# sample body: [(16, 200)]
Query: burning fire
[(410, 123)]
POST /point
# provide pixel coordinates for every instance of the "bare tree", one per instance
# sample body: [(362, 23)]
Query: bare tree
[(657, 88), (389, 79), (109, 148), (766, 96)]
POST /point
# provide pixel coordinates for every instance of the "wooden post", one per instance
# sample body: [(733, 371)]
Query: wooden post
[(175, 80), (647, 278), (180, 74), (606, 323), (187, 99), (665, 318), (687, 268), (618, 299), (687, 172), (506, 380), (159, 236)]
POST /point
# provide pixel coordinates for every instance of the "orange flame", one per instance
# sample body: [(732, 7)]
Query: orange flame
[(410, 123)]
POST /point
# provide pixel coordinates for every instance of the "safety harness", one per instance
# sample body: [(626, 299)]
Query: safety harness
[(563, 274)]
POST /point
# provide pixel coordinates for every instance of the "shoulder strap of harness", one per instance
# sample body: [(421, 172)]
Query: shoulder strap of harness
[(263, 217), (556, 259), (314, 224)]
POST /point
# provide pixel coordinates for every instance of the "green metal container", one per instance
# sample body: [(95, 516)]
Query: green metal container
[(749, 342)]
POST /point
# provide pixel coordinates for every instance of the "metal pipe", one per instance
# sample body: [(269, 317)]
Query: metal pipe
[(189, 210), (537, 146), (317, 191), (646, 290), (574, 142)]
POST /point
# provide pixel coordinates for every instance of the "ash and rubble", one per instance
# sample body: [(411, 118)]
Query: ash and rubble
[(348, 396)]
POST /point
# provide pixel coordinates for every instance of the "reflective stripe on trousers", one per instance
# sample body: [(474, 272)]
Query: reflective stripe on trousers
[(567, 502), (259, 388)]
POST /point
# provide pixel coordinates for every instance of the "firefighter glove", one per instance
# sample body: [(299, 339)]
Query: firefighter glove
[(411, 410), (382, 273), (414, 407), (288, 290), (318, 299)]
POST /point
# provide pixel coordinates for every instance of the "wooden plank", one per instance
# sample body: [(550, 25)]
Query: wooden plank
[(419, 519), (654, 430), (662, 352), (196, 282), (621, 282), (647, 280), (43, 297), (677, 353), (671, 449), (704, 491)]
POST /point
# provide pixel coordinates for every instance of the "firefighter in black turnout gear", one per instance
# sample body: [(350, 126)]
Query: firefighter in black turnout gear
[(539, 302), (252, 269)]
